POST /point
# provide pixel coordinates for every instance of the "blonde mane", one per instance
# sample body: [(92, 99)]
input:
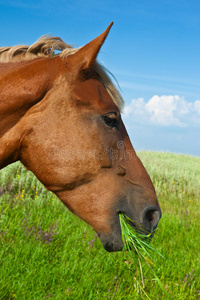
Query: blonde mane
[(48, 46)]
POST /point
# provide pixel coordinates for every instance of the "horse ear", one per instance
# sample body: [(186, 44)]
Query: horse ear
[(85, 57)]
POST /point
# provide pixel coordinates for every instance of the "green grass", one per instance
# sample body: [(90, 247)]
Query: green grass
[(137, 245), (48, 253)]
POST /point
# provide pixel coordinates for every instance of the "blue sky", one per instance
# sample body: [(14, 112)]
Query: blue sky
[(153, 50)]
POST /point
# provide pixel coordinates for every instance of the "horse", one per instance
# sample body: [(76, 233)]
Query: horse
[(60, 115)]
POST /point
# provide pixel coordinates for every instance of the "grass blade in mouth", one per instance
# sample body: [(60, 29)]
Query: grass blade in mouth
[(138, 247)]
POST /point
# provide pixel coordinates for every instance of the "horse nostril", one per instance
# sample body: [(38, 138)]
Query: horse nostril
[(151, 217)]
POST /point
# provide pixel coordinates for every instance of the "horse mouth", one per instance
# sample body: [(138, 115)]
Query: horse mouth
[(111, 243), (114, 241), (132, 233), (140, 229)]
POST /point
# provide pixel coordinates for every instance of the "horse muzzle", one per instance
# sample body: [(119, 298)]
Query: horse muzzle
[(144, 222)]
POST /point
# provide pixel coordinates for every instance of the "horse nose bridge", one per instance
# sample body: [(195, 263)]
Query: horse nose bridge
[(140, 185), (135, 172)]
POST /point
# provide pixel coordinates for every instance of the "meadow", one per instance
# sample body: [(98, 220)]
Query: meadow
[(48, 253)]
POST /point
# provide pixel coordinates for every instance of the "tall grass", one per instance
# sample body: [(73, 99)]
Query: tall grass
[(138, 247), (46, 252)]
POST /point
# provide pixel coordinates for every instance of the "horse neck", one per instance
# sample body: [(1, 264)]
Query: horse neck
[(22, 85)]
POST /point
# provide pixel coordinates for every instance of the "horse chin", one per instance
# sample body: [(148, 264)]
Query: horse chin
[(111, 242)]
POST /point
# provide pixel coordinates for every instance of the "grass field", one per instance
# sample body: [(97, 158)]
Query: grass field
[(48, 253)]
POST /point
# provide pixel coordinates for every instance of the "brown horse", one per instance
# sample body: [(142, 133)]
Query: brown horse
[(60, 116)]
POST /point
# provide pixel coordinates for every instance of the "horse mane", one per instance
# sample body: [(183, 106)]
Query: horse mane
[(48, 46)]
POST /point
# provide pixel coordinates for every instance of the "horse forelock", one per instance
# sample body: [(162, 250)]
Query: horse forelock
[(48, 46)]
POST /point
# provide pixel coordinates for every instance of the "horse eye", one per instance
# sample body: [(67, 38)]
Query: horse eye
[(111, 120)]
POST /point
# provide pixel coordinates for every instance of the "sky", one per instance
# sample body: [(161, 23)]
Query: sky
[(153, 50)]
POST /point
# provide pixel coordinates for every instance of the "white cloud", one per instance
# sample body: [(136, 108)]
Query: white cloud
[(197, 106), (171, 110)]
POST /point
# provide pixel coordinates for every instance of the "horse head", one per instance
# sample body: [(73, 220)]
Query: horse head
[(74, 140)]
